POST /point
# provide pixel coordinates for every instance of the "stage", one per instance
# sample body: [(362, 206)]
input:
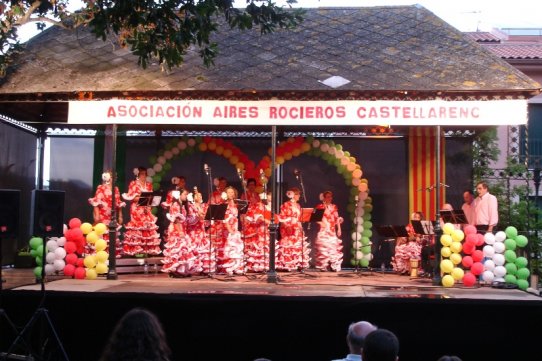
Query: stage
[(301, 315)]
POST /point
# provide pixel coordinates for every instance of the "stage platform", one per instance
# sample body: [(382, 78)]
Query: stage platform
[(303, 315)]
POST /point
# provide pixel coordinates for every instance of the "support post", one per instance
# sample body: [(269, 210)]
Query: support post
[(536, 249), (437, 230), (112, 270), (273, 227)]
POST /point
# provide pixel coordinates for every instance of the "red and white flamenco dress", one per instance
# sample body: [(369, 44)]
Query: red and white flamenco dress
[(328, 246), (292, 240), (141, 236), (256, 237), (230, 245), (103, 200), (403, 254), (180, 255), (206, 262)]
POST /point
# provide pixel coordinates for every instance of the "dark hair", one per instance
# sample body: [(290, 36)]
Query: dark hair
[(469, 191), (137, 336), (251, 180), (142, 169), (449, 358), (380, 345)]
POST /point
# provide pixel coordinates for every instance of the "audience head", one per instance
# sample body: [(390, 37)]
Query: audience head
[(380, 345), (138, 335), (447, 207), (449, 358), (356, 335)]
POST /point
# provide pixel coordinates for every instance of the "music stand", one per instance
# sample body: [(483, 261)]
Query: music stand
[(454, 216), (312, 214), (149, 199), (242, 205), (392, 231), (422, 227)]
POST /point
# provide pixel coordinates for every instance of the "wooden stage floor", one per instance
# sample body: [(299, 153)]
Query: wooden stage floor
[(346, 283)]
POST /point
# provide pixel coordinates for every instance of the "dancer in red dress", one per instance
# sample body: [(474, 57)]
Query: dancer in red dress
[(229, 245), (255, 231), (141, 235), (102, 203), (328, 245), (293, 252), (195, 228)]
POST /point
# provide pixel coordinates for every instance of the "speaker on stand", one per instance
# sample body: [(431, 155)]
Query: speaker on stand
[(47, 221), (9, 228)]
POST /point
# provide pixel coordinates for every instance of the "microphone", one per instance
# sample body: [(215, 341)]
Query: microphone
[(263, 179), (206, 168), (297, 173)]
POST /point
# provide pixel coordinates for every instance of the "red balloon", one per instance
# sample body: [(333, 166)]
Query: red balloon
[(467, 261), (481, 240), (80, 273), (470, 229), (77, 234), (69, 269), (80, 262), (477, 268), (74, 223), (71, 258), (471, 238), (70, 247), (468, 248), (477, 255), (469, 279)]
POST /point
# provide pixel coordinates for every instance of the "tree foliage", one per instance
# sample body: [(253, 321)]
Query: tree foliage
[(152, 29)]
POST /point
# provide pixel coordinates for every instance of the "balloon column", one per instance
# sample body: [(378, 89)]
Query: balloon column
[(95, 261), (359, 205), (451, 241)]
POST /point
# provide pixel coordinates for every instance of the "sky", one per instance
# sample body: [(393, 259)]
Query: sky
[(465, 15)]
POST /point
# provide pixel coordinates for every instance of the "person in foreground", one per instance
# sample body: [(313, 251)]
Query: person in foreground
[(138, 336), (380, 345), (355, 338)]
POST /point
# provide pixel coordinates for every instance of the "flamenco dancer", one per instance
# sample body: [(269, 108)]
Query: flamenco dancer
[(328, 245), (256, 237), (141, 236), (196, 231), (180, 256), (292, 252), (229, 244), (102, 203)]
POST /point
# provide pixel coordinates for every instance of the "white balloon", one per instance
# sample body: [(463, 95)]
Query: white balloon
[(158, 167), (52, 245), (488, 276), (359, 228), (149, 179), (368, 256), (489, 251), (175, 150), (363, 195), (489, 238), (356, 244), (181, 145), (60, 253), (324, 147), (150, 172), (161, 160), (59, 264), (50, 257), (61, 241), (499, 271), (168, 154), (49, 269), (360, 211), (489, 265), (499, 247), (498, 258), (315, 143), (345, 161), (500, 236), (331, 150), (356, 236), (359, 255), (358, 220), (499, 279)]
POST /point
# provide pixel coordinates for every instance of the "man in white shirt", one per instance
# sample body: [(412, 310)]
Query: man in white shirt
[(468, 206), (355, 339), (485, 209)]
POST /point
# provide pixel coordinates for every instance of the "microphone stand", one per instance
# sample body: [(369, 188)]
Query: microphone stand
[(240, 173)]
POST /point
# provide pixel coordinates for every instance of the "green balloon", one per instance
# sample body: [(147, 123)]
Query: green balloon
[(368, 207), (156, 186), (353, 262), (510, 256), (367, 225), (154, 210), (35, 242), (39, 250), (39, 260), (366, 249), (521, 262), (365, 241), (511, 232), (523, 273), (367, 233), (157, 178), (523, 284), (367, 216), (510, 244), (167, 166), (511, 268), (37, 272), (33, 253), (152, 160), (521, 241), (510, 279), (364, 262)]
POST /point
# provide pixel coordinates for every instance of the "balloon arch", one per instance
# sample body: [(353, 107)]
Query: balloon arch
[(332, 153)]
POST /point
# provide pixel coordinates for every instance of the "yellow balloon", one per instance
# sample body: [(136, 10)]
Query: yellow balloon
[(279, 160), (234, 159), (100, 228), (305, 147), (456, 258), (446, 266), (446, 240), (211, 145), (448, 281), (445, 252), (219, 150), (100, 245), (357, 173), (89, 262), (458, 273), (101, 268), (240, 166), (267, 172), (259, 189), (456, 247), (296, 152), (448, 228), (86, 228), (91, 274), (92, 237), (101, 256), (202, 147), (458, 235), (226, 153)]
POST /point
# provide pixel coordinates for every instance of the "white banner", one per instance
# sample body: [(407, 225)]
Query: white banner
[(292, 113)]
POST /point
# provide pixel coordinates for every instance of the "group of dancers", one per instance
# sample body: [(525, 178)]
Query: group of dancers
[(195, 243)]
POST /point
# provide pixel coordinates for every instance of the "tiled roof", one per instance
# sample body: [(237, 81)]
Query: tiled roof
[(482, 37), (375, 48), (517, 50)]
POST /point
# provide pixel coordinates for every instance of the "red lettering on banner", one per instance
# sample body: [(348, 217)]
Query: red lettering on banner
[(307, 112)]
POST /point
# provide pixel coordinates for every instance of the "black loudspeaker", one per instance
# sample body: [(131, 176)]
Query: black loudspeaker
[(9, 212), (47, 213)]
